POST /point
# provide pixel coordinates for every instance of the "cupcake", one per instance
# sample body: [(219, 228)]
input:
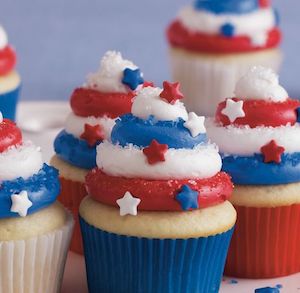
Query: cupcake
[(157, 217), (10, 81), (213, 43), (35, 230), (106, 95), (258, 133)]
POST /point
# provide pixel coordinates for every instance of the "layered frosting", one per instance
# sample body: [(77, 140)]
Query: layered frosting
[(258, 131), (27, 185), (106, 94), (7, 54), (158, 158), (215, 26)]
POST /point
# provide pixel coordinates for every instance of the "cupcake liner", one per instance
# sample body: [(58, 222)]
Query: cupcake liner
[(206, 81), (36, 264), (8, 103), (117, 263), (265, 242), (72, 193)]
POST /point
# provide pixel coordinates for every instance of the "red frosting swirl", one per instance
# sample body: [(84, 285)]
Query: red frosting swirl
[(10, 135), (89, 102), (262, 113), (181, 37), (8, 59), (157, 195)]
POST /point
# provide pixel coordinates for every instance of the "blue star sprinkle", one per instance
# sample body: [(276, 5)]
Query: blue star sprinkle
[(298, 114), (232, 281), (227, 30), (132, 78), (267, 290), (188, 198)]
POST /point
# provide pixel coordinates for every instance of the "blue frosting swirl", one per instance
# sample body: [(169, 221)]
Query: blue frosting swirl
[(253, 171), (133, 130), (75, 151), (42, 188), (227, 6)]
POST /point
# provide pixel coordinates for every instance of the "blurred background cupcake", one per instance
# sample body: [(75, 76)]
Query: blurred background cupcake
[(157, 217), (213, 43), (258, 134), (35, 230), (10, 81), (106, 95)]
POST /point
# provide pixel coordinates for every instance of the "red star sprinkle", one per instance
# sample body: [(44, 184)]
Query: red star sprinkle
[(155, 152), (92, 134), (272, 152), (171, 92), (264, 3)]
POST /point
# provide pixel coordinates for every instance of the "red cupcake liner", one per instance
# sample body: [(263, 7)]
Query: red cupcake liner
[(71, 195), (265, 243)]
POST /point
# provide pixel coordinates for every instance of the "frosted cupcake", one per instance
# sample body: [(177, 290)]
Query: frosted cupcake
[(35, 230), (213, 43), (157, 217), (106, 95), (10, 81), (258, 133)]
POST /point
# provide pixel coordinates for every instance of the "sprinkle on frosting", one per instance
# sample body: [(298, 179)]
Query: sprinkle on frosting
[(233, 109), (20, 203), (132, 78), (260, 83), (188, 198), (111, 74), (3, 38), (155, 152), (272, 152), (171, 92), (195, 124), (128, 204), (1, 117), (92, 134)]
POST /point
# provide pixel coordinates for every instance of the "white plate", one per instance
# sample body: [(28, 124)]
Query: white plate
[(40, 122)]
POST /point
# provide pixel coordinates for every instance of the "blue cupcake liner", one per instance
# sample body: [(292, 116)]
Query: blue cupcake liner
[(8, 103), (117, 264)]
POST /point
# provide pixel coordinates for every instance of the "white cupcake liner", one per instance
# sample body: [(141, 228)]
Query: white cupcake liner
[(207, 80), (35, 265)]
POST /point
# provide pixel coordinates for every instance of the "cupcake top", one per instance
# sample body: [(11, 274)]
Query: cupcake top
[(7, 54), (217, 26), (107, 94), (158, 159), (258, 131), (27, 185)]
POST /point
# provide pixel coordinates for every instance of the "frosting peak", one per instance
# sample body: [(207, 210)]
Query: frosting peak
[(3, 38), (111, 75), (260, 83)]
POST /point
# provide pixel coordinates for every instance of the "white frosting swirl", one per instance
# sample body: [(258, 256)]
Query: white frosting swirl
[(148, 102), (255, 25), (20, 161), (75, 124), (246, 141), (260, 83), (110, 74), (3, 38), (130, 162)]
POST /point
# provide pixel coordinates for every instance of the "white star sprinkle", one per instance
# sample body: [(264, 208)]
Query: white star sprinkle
[(195, 124), (1, 117), (233, 110), (259, 39), (128, 204), (20, 203)]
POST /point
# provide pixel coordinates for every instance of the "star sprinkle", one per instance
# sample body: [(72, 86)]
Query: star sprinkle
[(128, 204), (155, 152), (259, 39), (171, 92), (264, 3), (272, 152), (20, 203), (227, 30), (188, 198), (233, 110), (1, 117), (92, 134), (195, 124), (132, 78)]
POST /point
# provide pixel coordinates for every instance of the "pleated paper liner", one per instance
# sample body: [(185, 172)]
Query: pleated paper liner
[(118, 263), (72, 192), (265, 243), (37, 264), (8, 103)]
